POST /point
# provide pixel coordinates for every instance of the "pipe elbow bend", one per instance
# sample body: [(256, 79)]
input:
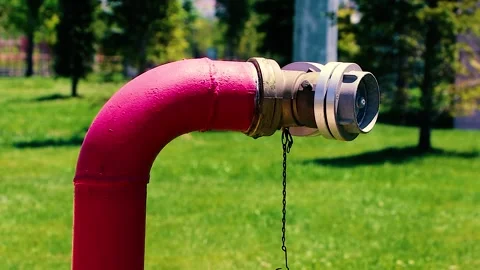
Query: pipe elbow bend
[(161, 104)]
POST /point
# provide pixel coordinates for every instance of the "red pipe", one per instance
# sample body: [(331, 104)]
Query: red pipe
[(126, 136)]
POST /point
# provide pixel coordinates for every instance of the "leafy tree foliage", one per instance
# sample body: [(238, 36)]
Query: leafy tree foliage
[(348, 48), (74, 49), (413, 44), (277, 24), (26, 17), (169, 43), (391, 47), (3, 16), (253, 27), (251, 39), (191, 18), (234, 14), (145, 30), (33, 7)]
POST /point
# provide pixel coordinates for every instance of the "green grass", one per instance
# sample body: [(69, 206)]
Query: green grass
[(215, 198)]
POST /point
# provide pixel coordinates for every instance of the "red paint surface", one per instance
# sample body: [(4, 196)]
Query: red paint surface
[(126, 136)]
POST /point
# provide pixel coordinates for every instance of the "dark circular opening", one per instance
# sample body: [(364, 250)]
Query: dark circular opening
[(367, 101), (361, 102)]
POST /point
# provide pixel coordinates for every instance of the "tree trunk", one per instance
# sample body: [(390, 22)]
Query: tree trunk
[(431, 39), (400, 98), (30, 47), (125, 65), (74, 86), (424, 142), (401, 94), (142, 56)]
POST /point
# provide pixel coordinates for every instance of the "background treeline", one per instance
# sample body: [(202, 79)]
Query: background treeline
[(146, 33), (415, 48)]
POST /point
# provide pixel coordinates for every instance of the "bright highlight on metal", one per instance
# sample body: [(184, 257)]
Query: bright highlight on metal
[(352, 101), (338, 100)]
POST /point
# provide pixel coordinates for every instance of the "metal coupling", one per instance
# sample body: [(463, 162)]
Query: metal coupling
[(336, 100)]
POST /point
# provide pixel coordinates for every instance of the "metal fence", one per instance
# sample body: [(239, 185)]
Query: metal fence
[(13, 58)]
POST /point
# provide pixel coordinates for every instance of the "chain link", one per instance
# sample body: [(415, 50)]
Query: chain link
[(287, 142)]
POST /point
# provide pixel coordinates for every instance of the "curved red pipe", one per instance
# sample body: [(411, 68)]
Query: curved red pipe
[(126, 136)]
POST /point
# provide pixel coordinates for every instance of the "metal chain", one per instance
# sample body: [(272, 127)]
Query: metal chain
[(287, 142)]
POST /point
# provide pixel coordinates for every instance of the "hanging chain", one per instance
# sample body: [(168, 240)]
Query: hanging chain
[(287, 142)]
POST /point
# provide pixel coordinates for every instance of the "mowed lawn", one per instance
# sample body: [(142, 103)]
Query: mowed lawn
[(214, 198)]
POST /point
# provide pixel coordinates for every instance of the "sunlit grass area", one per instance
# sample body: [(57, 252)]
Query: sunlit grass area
[(215, 198)]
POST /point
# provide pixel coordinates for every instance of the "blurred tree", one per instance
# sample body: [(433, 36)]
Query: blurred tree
[(262, 26), (276, 21), (33, 7), (169, 43), (443, 21), (74, 49), (433, 46), (390, 39), (3, 16), (145, 30), (410, 44), (26, 17), (219, 38), (348, 48), (205, 36), (233, 14), (251, 39), (47, 24), (191, 19), (241, 27), (202, 33)]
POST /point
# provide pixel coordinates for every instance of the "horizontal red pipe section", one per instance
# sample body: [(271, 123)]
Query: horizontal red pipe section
[(126, 136)]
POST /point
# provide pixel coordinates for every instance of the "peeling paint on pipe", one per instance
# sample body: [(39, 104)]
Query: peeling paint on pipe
[(127, 135)]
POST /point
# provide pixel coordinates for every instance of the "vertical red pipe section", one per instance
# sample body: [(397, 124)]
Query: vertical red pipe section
[(126, 136)]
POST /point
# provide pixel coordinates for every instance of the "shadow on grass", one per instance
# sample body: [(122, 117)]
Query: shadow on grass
[(53, 97), (74, 140), (393, 155)]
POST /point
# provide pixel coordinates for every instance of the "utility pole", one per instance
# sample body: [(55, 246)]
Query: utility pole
[(315, 31)]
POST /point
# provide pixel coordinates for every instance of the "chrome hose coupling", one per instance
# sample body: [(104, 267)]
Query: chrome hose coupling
[(336, 100)]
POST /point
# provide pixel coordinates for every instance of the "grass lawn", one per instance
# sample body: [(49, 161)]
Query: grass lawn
[(215, 198)]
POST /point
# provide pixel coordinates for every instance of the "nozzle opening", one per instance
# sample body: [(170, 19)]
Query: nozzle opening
[(367, 103)]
